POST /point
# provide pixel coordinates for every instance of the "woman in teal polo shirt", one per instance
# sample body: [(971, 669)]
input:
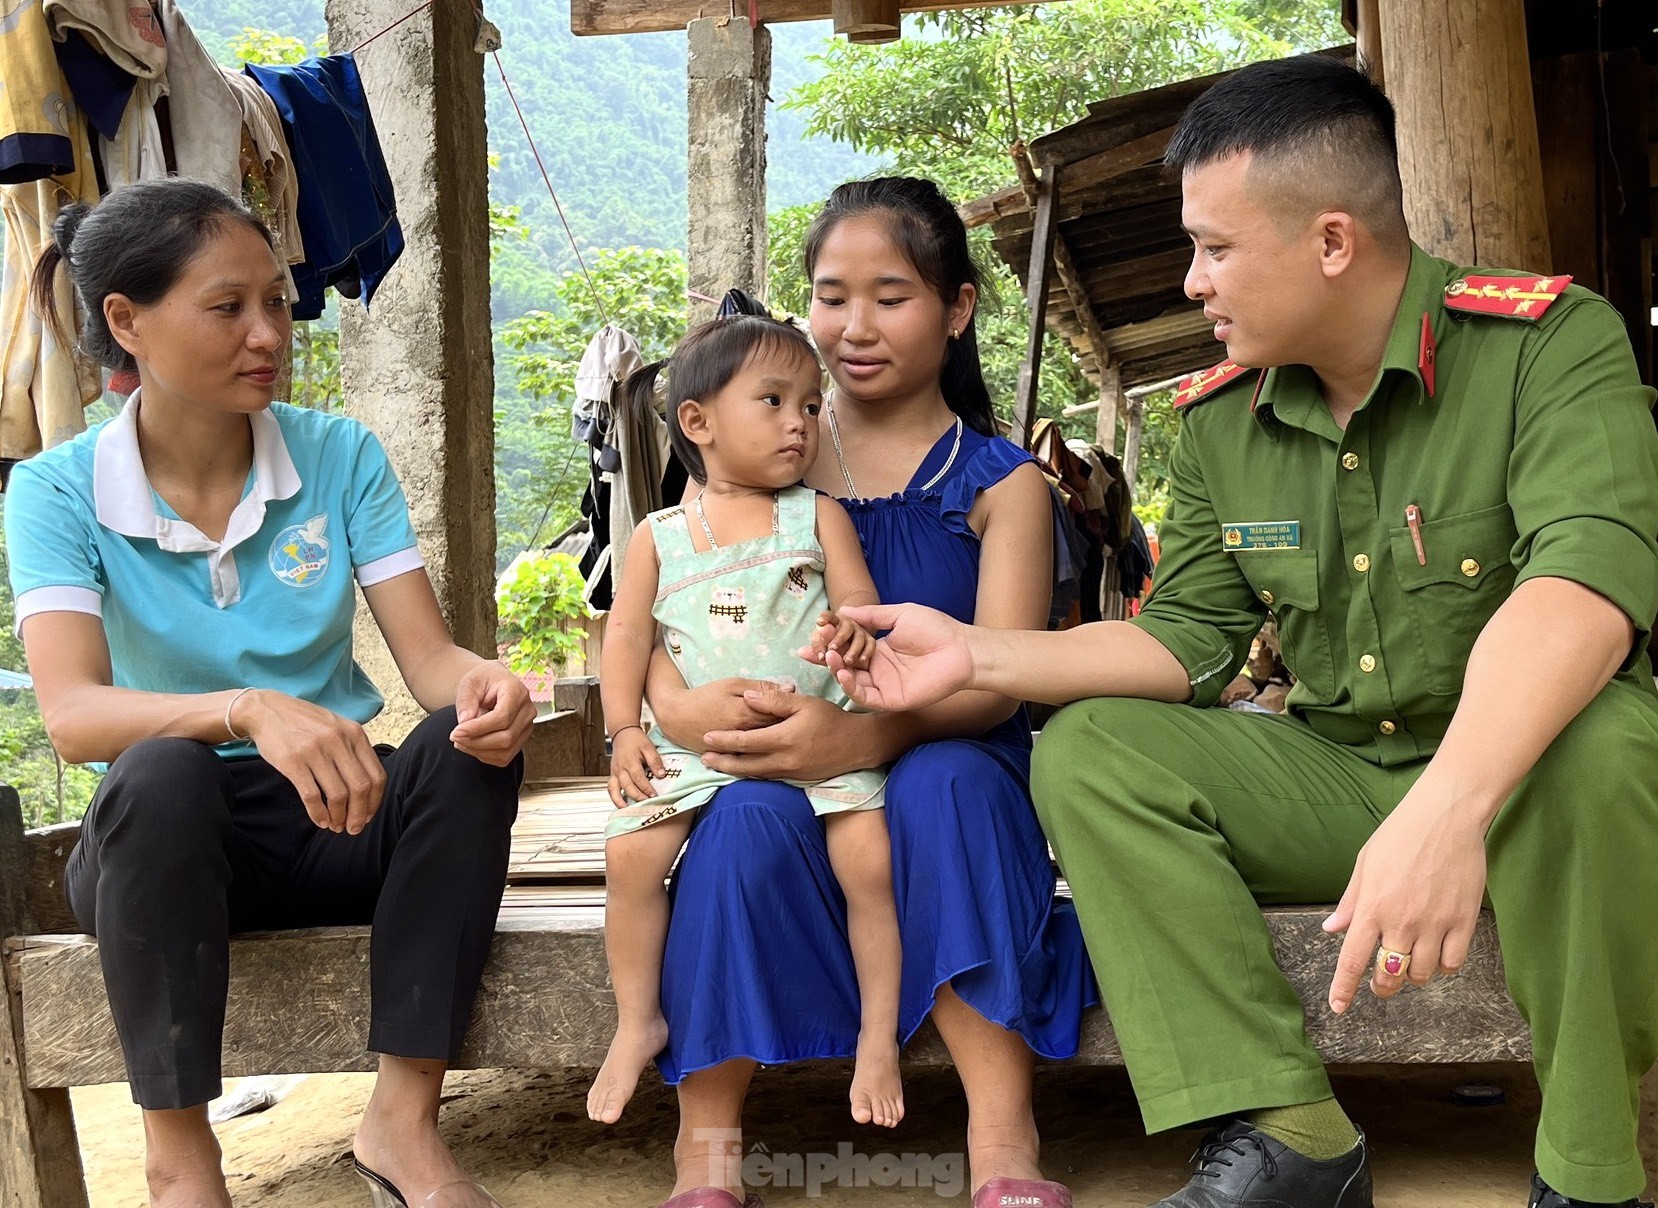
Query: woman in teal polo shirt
[(184, 577)]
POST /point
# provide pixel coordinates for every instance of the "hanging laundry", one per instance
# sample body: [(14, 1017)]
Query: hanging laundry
[(347, 212), (45, 386), (114, 57), (269, 183), (204, 115), (37, 115)]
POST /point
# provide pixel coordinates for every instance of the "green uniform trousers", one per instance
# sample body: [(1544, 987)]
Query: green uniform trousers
[(1173, 824)]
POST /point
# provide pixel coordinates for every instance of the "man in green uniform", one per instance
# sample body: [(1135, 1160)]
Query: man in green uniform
[(1444, 486)]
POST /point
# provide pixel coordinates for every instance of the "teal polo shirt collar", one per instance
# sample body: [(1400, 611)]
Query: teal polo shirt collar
[(125, 502), (1289, 393)]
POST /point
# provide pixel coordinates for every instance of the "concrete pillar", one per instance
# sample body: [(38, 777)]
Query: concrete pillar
[(729, 71), (418, 369)]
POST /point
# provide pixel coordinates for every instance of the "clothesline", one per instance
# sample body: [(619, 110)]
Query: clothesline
[(535, 151)]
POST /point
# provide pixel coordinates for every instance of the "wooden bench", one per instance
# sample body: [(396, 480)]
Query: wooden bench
[(299, 1003)]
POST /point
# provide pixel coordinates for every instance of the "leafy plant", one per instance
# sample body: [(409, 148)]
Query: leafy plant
[(537, 599)]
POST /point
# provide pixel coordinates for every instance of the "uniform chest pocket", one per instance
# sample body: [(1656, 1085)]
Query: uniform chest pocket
[(1466, 578), (1286, 581)]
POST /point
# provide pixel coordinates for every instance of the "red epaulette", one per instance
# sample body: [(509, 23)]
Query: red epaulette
[(1505, 297), (1199, 386)]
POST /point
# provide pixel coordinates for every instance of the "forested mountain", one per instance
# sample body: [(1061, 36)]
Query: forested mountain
[(608, 115)]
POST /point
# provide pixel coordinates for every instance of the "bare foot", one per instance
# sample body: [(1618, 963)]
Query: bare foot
[(877, 1089), (194, 1189), (411, 1156), (182, 1160), (630, 1052)]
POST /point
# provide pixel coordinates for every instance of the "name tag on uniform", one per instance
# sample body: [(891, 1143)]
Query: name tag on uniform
[(1261, 534)]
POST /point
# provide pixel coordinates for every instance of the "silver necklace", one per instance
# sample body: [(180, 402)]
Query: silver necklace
[(696, 506), (840, 456)]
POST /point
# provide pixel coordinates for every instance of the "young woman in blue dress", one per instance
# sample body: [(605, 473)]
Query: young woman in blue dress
[(952, 515)]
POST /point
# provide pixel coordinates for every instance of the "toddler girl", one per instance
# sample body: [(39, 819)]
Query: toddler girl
[(744, 580)]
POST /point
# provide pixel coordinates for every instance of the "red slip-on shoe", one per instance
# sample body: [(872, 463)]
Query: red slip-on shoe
[(1022, 1193), (715, 1197)]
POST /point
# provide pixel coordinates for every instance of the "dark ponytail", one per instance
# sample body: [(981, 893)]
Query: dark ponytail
[(933, 238), (134, 242)]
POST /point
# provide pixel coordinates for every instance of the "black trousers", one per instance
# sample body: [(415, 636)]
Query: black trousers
[(180, 849)]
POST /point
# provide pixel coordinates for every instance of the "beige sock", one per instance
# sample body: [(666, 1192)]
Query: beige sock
[(1320, 1131)]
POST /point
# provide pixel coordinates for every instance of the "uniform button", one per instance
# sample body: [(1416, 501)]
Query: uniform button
[(1361, 562), (1266, 598), (1349, 461), (1470, 568), (1367, 663), (1387, 727)]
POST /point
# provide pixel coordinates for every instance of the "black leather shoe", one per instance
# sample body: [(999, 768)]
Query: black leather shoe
[(1544, 1196), (1238, 1166)]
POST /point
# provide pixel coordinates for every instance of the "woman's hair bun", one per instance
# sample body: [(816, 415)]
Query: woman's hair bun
[(69, 221)]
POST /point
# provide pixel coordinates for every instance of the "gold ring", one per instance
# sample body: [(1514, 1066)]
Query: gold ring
[(1392, 963)]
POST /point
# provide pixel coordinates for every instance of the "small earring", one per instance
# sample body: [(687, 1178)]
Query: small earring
[(954, 333)]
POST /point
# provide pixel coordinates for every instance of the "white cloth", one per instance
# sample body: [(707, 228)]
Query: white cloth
[(206, 117), (640, 440), (125, 33), (610, 357)]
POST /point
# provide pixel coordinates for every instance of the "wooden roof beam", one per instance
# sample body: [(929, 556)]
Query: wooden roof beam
[(658, 16), (1066, 266)]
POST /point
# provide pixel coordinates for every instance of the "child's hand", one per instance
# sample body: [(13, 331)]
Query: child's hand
[(633, 761), (854, 643)]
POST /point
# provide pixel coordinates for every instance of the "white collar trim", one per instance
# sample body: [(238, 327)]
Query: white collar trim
[(125, 502)]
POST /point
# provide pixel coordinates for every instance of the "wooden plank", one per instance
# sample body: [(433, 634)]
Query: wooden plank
[(1107, 165), (45, 853), (559, 835), (299, 1003), (554, 747), (657, 16), (40, 1161), (580, 695), (1041, 274)]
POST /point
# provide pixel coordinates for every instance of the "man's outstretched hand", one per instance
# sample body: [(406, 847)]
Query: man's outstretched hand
[(923, 658)]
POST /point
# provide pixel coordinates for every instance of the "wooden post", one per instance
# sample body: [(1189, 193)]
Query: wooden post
[(40, 1159), (1043, 230), (866, 21), (1112, 403), (1131, 442), (1460, 76), (1369, 39), (1082, 306)]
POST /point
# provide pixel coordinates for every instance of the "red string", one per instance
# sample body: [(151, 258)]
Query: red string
[(405, 17), (568, 233)]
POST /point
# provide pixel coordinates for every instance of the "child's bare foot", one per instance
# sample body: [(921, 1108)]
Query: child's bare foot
[(630, 1052), (877, 1089)]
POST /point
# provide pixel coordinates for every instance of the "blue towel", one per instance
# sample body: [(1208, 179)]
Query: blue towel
[(347, 213)]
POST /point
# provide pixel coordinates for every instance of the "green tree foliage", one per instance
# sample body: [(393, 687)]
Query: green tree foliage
[(538, 599), (540, 469)]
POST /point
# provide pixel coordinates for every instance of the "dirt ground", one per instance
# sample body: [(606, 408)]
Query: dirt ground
[(527, 1138)]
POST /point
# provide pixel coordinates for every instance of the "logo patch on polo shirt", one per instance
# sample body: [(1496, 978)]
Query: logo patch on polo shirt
[(299, 555), (1262, 534)]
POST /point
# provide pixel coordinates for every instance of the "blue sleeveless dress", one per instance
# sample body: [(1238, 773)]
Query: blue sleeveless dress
[(758, 963)]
